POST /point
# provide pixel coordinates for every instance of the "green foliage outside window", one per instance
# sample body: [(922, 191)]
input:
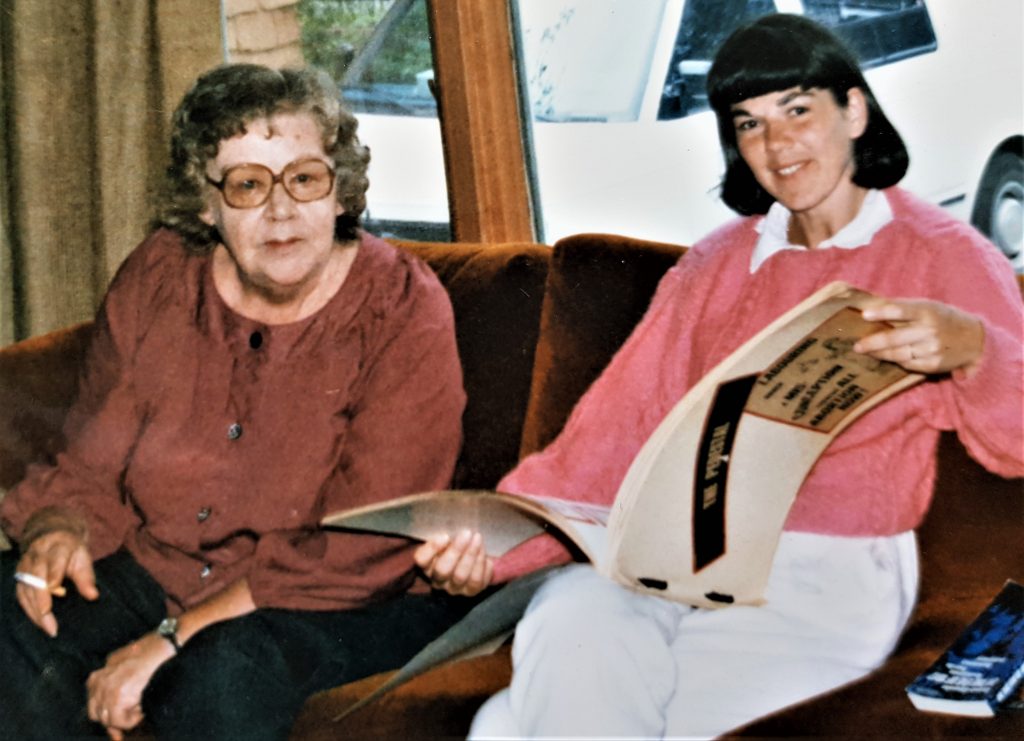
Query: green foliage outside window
[(335, 31)]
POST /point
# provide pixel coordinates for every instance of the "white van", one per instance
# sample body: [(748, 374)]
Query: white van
[(623, 141)]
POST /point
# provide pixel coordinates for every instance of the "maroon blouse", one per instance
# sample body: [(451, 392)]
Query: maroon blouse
[(210, 445)]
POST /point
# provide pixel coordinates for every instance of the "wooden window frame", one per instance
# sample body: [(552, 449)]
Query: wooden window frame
[(478, 105)]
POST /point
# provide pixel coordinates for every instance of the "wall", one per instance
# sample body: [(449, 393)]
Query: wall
[(263, 31)]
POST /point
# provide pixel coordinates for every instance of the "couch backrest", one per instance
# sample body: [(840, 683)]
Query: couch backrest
[(598, 288), (496, 292), (535, 326)]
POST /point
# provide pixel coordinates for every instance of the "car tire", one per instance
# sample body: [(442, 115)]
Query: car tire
[(999, 212)]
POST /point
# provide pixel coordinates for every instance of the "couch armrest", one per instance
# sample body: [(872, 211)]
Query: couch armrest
[(38, 383)]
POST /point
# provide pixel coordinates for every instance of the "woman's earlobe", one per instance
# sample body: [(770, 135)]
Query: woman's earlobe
[(206, 216), (857, 111)]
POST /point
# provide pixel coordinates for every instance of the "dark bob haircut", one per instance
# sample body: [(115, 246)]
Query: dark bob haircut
[(778, 52), (219, 106)]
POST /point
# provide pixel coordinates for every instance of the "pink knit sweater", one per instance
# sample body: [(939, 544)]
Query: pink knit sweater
[(877, 476)]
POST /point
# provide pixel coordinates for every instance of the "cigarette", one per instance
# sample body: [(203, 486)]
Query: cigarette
[(31, 580)]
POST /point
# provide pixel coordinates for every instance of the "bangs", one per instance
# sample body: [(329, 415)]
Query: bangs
[(760, 79), (763, 58)]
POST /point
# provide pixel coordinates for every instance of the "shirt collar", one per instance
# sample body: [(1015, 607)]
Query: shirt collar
[(874, 213)]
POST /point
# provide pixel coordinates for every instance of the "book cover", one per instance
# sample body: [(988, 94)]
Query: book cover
[(983, 667)]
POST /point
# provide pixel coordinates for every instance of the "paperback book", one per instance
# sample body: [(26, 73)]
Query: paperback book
[(985, 665)]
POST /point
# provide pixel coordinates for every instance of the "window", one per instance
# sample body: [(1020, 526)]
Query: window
[(385, 68), (878, 32), (379, 53), (704, 26), (570, 74)]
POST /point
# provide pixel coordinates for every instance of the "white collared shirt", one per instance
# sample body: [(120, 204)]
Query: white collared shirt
[(774, 229)]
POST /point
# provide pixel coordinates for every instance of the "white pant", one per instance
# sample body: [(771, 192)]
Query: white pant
[(593, 659)]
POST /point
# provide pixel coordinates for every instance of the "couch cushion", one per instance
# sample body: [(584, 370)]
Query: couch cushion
[(496, 292), (436, 705), (598, 288)]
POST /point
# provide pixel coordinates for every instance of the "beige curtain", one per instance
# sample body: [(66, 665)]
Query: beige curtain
[(88, 88)]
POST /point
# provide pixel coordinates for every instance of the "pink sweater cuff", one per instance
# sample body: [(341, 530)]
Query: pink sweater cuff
[(535, 553)]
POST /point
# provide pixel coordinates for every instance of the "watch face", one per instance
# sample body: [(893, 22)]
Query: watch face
[(168, 626)]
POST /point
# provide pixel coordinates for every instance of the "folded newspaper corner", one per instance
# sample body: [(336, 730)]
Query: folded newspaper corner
[(698, 516)]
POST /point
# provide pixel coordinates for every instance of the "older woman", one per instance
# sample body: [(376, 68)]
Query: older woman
[(812, 162), (257, 362)]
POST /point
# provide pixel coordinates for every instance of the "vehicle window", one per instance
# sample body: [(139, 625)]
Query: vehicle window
[(878, 31), (382, 68), (705, 25), (379, 52)]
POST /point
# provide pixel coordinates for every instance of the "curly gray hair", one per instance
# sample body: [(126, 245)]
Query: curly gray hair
[(220, 104)]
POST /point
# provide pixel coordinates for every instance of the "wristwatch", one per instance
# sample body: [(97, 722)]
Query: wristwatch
[(168, 628)]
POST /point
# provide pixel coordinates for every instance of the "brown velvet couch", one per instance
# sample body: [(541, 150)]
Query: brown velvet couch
[(535, 326)]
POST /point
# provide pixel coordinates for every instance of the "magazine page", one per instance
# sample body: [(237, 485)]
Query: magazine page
[(504, 520)]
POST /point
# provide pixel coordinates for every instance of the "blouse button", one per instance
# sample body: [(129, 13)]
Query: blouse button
[(234, 431), (204, 514), (205, 572)]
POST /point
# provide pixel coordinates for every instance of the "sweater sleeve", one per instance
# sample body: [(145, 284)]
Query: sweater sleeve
[(986, 408), (404, 436), (100, 429)]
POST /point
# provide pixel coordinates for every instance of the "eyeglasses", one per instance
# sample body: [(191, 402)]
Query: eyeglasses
[(250, 185)]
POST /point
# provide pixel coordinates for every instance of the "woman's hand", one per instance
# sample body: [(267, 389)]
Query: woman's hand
[(115, 691), (54, 556), (460, 566), (928, 336)]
